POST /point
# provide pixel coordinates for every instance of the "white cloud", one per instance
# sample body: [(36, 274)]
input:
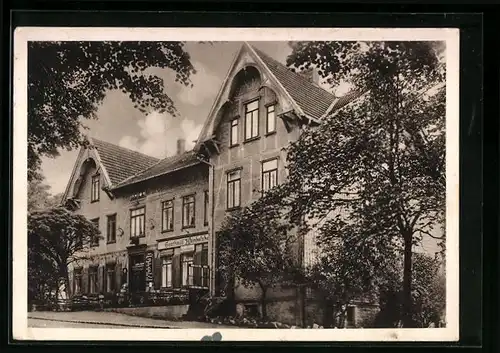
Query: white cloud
[(159, 134), (205, 85)]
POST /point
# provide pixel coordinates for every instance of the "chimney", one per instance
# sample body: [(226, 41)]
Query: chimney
[(181, 146), (311, 74)]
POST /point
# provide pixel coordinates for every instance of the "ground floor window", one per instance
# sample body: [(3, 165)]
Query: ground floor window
[(93, 280), (110, 278), (77, 280), (187, 262), (166, 272), (182, 267)]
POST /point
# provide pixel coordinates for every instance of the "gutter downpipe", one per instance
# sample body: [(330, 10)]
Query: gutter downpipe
[(211, 174)]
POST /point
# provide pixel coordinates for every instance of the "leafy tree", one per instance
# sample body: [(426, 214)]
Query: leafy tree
[(380, 161), (257, 248), (57, 238), (428, 294), (68, 80), (39, 196), (347, 270)]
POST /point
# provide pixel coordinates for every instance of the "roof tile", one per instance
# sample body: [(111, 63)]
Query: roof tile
[(121, 163), (311, 98), (164, 166)]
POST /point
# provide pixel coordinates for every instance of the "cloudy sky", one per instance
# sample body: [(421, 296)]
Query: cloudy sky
[(156, 134)]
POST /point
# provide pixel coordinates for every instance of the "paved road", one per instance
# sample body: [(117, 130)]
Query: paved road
[(41, 323), (106, 319)]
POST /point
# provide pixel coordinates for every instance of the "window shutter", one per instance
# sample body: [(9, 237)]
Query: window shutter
[(197, 270), (85, 280), (118, 276), (176, 270), (100, 278), (157, 273), (105, 278)]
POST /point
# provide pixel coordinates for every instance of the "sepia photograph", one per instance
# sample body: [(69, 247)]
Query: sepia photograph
[(207, 184)]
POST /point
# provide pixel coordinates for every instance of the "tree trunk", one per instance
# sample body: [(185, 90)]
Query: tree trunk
[(263, 301), (407, 276)]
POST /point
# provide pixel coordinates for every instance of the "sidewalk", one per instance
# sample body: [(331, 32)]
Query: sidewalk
[(116, 319)]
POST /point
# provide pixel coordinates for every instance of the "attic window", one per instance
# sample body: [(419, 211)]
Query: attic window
[(94, 196)]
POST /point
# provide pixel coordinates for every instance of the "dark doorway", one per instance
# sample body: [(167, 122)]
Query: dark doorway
[(137, 274)]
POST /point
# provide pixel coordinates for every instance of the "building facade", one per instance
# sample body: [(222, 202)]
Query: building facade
[(159, 218)]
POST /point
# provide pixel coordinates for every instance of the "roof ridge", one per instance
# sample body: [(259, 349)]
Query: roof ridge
[(125, 148), (262, 53)]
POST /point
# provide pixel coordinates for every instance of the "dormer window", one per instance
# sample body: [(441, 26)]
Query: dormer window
[(94, 193), (252, 120)]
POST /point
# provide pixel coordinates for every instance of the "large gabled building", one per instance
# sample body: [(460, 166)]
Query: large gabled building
[(159, 218)]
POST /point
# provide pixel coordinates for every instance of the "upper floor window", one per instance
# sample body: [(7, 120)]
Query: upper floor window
[(111, 229), (205, 207), (270, 119), (94, 193), (95, 240), (269, 174), (251, 120), (188, 203), (167, 219), (233, 189), (233, 132), (137, 222)]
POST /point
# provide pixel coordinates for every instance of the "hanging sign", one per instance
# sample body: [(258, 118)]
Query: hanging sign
[(149, 267)]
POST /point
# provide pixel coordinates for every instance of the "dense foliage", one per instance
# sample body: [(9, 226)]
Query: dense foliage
[(373, 171), (428, 294), (68, 80), (256, 247), (56, 238)]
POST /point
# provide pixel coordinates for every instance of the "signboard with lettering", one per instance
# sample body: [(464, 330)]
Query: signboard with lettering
[(174, 243), (149, 267)]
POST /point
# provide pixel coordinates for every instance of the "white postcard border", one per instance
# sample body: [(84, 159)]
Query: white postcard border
[(22, 35)]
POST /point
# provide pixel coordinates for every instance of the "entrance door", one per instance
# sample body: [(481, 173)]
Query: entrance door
[(137, 273)]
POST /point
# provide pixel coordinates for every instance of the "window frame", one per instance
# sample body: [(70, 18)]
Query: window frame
[(143, 215), (184, 204), (229, 188), (94, 242), (234, 123), (77, 276), (108, 218), (95, 191), (206, 206), (269, 172), (164, 208), (273, 106), (110, 284), (93, 272), (185, 279), (166, 263), (245, 107)]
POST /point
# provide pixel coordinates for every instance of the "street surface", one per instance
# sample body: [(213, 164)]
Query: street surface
[(40, 323), (104, 319)]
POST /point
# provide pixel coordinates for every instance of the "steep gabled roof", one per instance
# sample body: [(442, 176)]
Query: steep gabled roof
[(121, 163), (164, 166), (310, 97)]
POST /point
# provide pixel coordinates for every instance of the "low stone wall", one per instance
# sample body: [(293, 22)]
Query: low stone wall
[(170, 312)]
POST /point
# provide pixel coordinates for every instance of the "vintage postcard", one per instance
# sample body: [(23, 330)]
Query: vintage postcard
[(236, 184)]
